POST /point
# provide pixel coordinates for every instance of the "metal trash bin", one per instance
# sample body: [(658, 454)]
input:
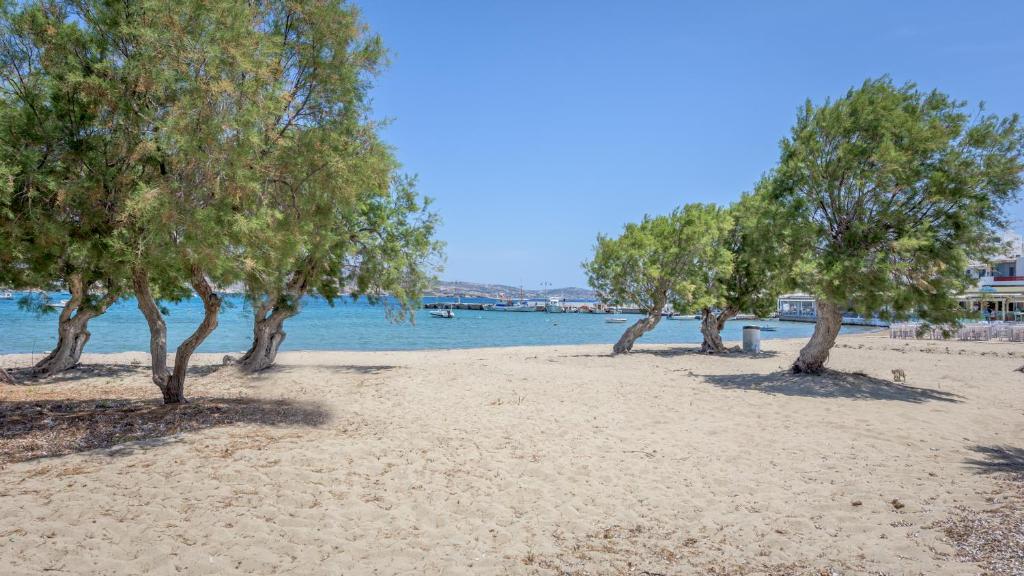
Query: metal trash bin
[(752, 339)]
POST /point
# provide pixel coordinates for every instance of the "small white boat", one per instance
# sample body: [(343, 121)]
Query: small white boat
[(446, 313), (522, 306), (616, 321), (60, 304), (6, 295), (554, 306)]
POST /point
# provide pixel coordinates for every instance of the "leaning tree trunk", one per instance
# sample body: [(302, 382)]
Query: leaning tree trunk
[(268, 326), (5, 378), (815, 352), (72, 329), (157, 333), (268, 334), (172, 382), (641, 327), (711, 326)]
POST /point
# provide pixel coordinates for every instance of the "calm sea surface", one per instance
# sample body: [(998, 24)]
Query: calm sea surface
[(356, 325)]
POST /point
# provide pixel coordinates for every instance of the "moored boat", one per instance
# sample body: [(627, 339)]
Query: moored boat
[(554, 306)]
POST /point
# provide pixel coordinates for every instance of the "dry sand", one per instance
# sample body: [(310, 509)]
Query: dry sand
[(548, 460)]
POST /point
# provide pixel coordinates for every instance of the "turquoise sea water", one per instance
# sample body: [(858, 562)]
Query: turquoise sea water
[(355, 326)]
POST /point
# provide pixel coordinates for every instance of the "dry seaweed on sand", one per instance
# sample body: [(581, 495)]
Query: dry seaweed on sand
[(993, 538)]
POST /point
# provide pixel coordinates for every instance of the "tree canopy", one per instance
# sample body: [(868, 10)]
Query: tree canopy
[(759, 265), (168, 149), (890, 191), (662, 260)]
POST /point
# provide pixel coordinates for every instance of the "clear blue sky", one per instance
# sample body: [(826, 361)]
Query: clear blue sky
[(537, 124)]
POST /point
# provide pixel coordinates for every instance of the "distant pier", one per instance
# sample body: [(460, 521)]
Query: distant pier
[(460, 305), (847, 320), (538, 306)]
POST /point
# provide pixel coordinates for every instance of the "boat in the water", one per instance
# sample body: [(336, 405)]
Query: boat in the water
[(56, 305), (554, 306), (616, 321), (446, 313), (510, 305), (6, 295)]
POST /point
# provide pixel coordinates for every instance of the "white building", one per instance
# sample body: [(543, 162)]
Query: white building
[(999, 292)]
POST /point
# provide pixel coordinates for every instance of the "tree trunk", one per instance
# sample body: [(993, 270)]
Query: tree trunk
[(268, 334), (157, 333), (711, 326), (72, 329), (641, 327), (172, 383), (268, 327), (815, 353), (5, 378)]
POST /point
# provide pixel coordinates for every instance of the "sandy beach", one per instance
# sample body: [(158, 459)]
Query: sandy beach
[(533, 460)]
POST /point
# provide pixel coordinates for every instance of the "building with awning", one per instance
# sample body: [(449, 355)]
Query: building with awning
[(996, 298), (999, 292)]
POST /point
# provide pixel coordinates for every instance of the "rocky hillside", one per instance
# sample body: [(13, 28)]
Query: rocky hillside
[(480, 290)]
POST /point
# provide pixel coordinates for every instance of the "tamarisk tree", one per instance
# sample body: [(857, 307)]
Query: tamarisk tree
[(63, 201), (760, 262), (335, 215), (196, 70), (380, 247), (662, 260), (890, 190)]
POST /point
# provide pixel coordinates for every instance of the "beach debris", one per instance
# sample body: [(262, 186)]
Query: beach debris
[(5, 378), (992, 538), (856, 503), (898, 375), (897, 504)]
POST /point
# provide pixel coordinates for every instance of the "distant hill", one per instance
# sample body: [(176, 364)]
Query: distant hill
[(480, 290)]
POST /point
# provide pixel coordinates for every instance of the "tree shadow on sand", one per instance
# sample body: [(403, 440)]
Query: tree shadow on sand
[(830, 384), (677, 351), (996, 459), (339, 368), (25, 377), (695, 351), (44, 428)]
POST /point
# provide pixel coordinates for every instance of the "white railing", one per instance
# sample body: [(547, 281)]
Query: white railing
[(980, 331)]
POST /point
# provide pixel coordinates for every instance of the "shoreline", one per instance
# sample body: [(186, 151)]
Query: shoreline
[(220, 355), (1012, 349)]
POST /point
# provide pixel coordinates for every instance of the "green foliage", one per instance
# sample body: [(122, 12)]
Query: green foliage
[(332, 214), (761, 251), (890, 191), (395, 250), (678, 259), (58, 212)]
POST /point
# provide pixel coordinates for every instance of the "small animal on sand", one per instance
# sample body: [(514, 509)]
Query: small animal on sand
[(898, 375)]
